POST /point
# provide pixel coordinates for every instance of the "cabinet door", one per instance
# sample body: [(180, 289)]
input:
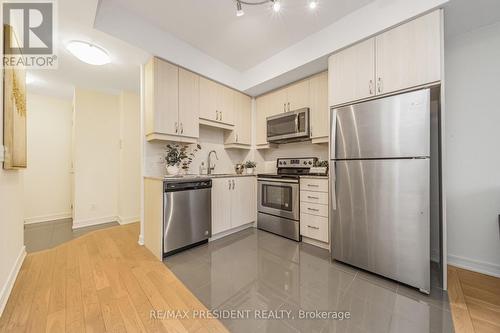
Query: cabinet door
[(409, 55), (261, 104), (351, 73), (221, 205), (318, 94), (165, 103), (277, 102), (244, 120), (243, 201), (225, 104), (208, 99), (189, 103), (298, 95)]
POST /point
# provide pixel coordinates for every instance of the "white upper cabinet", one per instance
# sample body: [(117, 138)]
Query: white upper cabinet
[(172, 104), (402, 58), (189, 103), (241, 135), (162, 97), (318, 94), (208, 100), (217, 103), (297, 95), (352, 73), (262, 107), (225, 104), (409, 55)]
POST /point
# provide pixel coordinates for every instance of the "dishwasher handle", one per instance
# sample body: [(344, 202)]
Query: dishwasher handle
[(186, 186)]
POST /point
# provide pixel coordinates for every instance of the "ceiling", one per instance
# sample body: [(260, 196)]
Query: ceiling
[(240, 42), (75, 21)]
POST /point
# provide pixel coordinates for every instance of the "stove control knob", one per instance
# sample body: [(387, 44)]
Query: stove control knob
[(310, 162)]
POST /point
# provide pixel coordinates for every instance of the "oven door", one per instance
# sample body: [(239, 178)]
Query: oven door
[(289, 125), (279, 198)]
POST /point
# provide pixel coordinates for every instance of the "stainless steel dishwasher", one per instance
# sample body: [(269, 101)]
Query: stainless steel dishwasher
[(187, 213)]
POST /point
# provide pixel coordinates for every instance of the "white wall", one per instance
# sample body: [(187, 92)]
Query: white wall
[(96, 158), (47, 181), (11, 218), (473, 162), (130, 159)]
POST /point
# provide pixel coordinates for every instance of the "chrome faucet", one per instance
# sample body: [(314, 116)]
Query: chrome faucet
[(210, 168)]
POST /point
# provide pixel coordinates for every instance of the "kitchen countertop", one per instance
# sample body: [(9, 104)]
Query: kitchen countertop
[(314, 177), (225, 175)]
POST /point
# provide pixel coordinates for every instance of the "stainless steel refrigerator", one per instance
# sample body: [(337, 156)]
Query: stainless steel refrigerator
[(380, 187)]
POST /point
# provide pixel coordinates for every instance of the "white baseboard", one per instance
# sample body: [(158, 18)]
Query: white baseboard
[(90, 222), (230, 231), (127, 220), (315, 242), (9, 284), (474, 265), (47, 218), (141, 240)]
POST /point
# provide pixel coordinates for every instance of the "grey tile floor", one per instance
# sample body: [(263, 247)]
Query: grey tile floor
[(256, 270), (45, 235)]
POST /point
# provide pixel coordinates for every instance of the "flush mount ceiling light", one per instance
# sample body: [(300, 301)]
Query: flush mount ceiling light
[(88, 52), (275, 5)]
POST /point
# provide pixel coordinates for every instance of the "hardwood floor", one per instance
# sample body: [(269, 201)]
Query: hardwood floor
[(474, 300), (101, 282)]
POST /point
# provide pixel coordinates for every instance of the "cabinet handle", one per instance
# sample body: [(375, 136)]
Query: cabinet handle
[(233, 183), (229, 182), (236, 137), (312, 227), (313, 209), (182, 128), (216, 115), (380, 88), (221, 115), (176, 127), (284, 107), (309, 197), (312, 185), (288, 106), (370, 86)]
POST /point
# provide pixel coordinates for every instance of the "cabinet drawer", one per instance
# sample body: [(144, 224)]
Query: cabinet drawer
[(316, 185), (315, 227), (314, 197), (314, 209)]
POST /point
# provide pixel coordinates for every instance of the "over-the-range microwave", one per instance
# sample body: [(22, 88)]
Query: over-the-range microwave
[(288, 126)]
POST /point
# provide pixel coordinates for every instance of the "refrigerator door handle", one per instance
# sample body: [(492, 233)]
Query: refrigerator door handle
[(333, 196)]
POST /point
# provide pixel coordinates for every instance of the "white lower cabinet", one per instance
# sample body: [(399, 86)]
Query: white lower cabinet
[(234, 203), (314, 209)]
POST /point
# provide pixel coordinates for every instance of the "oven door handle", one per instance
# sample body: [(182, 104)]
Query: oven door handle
[(276, 180)]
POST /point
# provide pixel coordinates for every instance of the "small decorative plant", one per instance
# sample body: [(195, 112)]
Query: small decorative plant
[(249, 166), (177, 155), (321, 164)]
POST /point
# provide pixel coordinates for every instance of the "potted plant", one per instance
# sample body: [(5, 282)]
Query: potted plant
[(250, 166), (177, 155)]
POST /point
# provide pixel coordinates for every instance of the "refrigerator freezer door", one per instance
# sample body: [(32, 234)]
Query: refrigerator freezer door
[(391, 127), (380, 220)]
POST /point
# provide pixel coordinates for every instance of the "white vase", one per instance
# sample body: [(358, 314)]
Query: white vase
[(172, 170), (249, 171)]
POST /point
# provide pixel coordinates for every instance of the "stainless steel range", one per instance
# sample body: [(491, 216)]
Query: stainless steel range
[(278, 197)]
